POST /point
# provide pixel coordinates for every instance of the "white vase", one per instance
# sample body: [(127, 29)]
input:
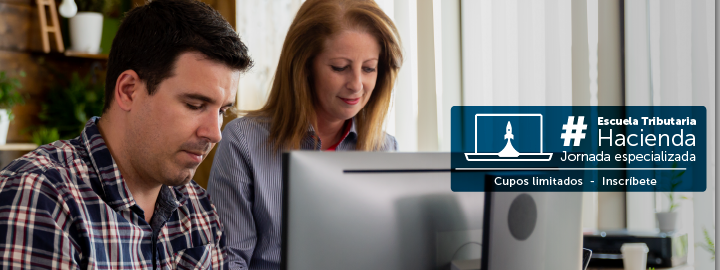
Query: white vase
[(667, 221), (86, 32), (4, 125)]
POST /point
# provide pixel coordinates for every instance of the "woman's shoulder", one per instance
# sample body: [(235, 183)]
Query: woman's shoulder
[(249, 124), (250, 127), (390, 143)]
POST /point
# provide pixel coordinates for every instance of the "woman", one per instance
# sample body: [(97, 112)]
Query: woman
[(331, 91)]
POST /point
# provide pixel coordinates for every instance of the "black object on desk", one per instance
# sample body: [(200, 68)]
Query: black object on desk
[(665, 250), (586, 257)]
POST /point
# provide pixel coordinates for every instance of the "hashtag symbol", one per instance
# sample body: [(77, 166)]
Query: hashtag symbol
[(569, 128)]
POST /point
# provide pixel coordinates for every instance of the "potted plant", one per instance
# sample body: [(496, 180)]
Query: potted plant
[(9, 97), (709, 243), (67, 108), (667, 221), (86, 26)]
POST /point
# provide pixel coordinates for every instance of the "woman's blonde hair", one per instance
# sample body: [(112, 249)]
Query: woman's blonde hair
[(291, 103)]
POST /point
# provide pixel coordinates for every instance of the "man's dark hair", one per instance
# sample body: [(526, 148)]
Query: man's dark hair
[(151, 37)]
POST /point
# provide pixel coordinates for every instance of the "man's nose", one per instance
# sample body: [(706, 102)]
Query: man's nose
[(210, 128)]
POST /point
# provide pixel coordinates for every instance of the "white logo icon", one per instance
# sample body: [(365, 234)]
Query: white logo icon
[(569, 128), (509, 153), (509, 150)]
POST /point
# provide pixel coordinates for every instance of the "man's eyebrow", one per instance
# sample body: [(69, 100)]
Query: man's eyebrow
[(229, 104), (205, 99), (198, 97)]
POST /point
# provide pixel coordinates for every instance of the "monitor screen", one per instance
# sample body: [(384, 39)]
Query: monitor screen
[(373, 210), (364, 210), (490, 131)]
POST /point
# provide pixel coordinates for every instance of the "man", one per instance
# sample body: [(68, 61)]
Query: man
[(120, 195)]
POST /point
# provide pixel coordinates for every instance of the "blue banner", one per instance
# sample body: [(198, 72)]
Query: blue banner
[(579, 148)]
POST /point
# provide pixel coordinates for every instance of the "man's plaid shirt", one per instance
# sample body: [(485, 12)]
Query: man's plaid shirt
[(66, 206)]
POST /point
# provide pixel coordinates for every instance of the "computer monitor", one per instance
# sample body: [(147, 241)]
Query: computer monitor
[(373, 210), (531, 230)]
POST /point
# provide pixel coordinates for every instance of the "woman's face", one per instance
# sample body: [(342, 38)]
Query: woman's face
[(345, 74)]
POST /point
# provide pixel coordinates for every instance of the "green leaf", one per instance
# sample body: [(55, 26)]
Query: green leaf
[(9, 96), (67, 107), (80, 113), (45, 135), (709, 244)]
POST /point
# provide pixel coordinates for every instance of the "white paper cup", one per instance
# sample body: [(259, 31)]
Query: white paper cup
[(634, 255)]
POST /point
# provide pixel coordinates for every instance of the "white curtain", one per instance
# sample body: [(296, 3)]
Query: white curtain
[(429, 82), (670, 61), (516, 52), (262, 25), (403, 118)]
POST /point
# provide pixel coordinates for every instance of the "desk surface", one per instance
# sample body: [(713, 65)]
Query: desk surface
[(681, 267)]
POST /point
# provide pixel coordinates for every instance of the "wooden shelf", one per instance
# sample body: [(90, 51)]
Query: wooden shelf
[(18, 147), (86, 55)]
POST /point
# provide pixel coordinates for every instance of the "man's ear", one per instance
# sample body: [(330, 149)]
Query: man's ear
[(127, 88)]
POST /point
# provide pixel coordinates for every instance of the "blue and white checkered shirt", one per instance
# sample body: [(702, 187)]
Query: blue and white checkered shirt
[(246, 186), (66, 206)]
